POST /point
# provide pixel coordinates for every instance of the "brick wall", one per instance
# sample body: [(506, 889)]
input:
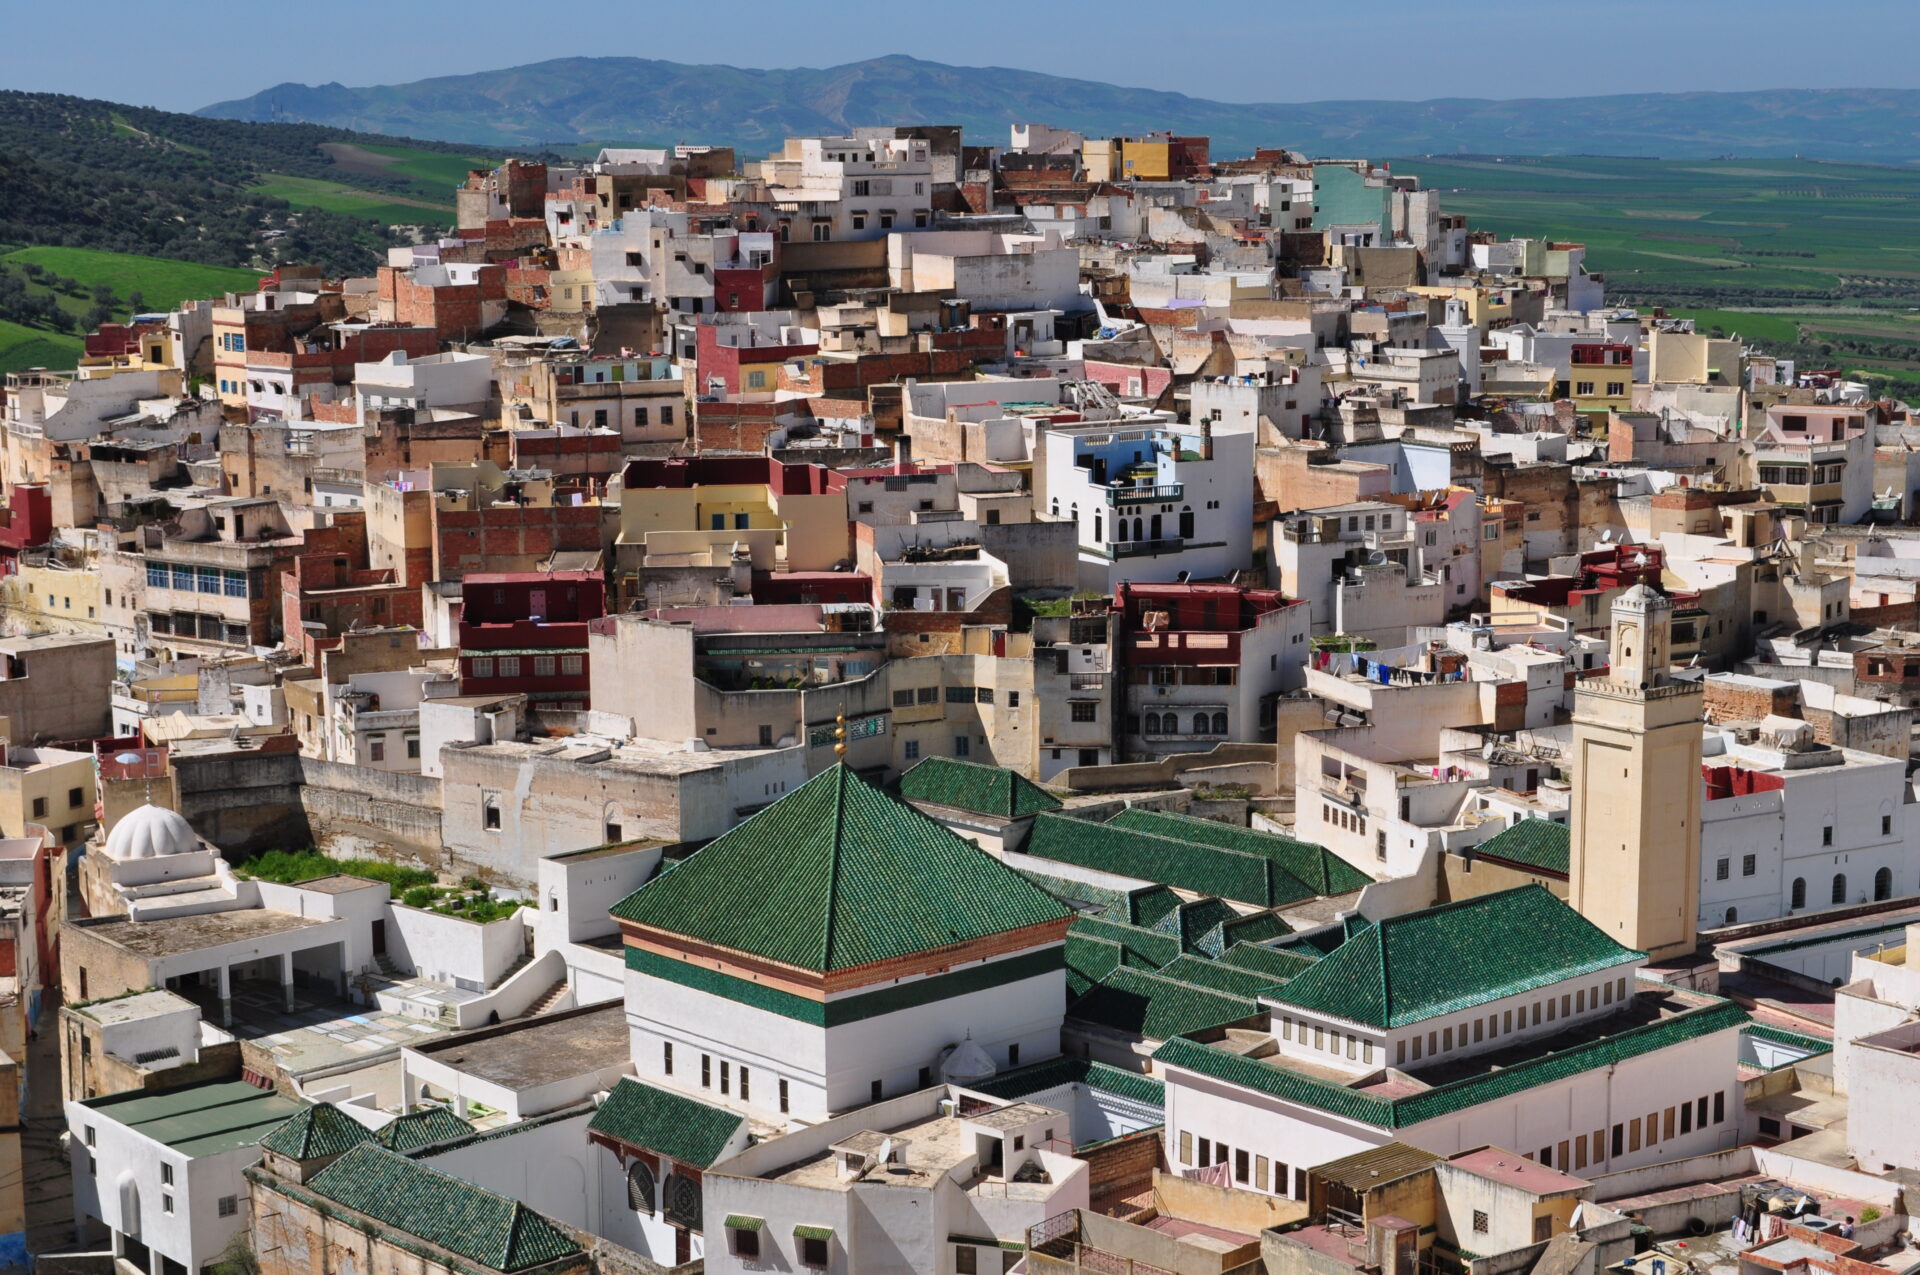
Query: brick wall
[(1123, 1166)]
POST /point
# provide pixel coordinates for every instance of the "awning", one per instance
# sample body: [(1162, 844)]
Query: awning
[(737, 1222), (813, 1232)]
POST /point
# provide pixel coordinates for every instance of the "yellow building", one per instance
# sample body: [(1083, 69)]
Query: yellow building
[(1117, 159), (1600, 379), (704, 510), (55, 592), (1635, 843), (49, 787)]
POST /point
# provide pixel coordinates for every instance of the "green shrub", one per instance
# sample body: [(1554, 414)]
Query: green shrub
[(420, 896), (1870, 1214), (290, 867)]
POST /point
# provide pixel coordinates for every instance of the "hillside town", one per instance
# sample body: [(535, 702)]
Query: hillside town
[(916, 703)]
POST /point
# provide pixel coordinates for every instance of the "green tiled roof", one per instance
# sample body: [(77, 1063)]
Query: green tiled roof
[(320, 1130), (1154, 948), (1270, 961), (1532, 843), (418, 1128), (1040, 1077), (1443, 1100), (1319, 868), (198, 1120), (1145, 1004), (1781, 1036), (1149, 903), (1256, 928), (454, 1215), (1145, 856), (1190, 921), (986, 790), (1439, 960), (836, 875), (1088, 900), (1089, 960), (1230, 979), (658, 1120)]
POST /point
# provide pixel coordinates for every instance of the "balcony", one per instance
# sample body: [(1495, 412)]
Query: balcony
[(1164, 493), (1087, 681)]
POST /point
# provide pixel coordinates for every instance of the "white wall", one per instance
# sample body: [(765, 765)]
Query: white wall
[(117, 1180), (450, 949)]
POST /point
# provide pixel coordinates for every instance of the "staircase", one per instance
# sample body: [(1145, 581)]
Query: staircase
[(524, 960), (387, 967), (548, 999)]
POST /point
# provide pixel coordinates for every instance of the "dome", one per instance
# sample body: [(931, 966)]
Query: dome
[(150, 831), (968, 1064)]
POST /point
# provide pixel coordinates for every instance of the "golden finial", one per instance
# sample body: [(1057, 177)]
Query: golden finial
[(840, 735)]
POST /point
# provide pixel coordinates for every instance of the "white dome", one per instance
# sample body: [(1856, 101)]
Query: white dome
[(150, 831), (968, 1064)]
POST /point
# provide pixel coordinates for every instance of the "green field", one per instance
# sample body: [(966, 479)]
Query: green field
[(437, 168), (162, 284), (310, 192), (1709, 233), (23, 347), (1817, 261)]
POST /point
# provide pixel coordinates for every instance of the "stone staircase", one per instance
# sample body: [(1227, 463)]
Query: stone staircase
[(386, 966), (548, 999)]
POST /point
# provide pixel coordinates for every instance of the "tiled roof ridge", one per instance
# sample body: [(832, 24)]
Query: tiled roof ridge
[(833, 861)]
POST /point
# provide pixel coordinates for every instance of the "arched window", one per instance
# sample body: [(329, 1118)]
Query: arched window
[(1136, 530), (1883, 884), (1839, 887), (1799, 898), (1096, 527), (1733, 914), (1219, 723), (640, 1187), (1153, 723), (1119, 528)]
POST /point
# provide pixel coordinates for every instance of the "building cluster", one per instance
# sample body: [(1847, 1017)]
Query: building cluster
[(909, 705)]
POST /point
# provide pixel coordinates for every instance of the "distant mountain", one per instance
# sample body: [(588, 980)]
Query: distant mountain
[(575, 101)]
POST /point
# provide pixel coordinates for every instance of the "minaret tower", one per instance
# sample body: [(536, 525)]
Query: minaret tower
[(1636, 787)]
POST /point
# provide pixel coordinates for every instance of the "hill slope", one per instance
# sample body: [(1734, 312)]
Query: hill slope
[(571, 101)]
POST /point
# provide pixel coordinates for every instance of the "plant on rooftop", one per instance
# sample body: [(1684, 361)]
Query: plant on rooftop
[(1342, 642), (468, 905), (1870, 1214), (290, 867)]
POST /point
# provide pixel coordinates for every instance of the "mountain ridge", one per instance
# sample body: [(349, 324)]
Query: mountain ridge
[(575, 101)]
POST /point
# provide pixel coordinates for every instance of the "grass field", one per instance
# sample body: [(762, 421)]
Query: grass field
[(162, 284), (1750, 326), (1711, 233), (23, 347), (311, 192)]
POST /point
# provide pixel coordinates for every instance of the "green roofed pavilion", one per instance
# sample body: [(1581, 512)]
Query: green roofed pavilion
[(1539, 844), (984, 790), (319, 1131), (665, 1122), (836, 875), (1409, 968)]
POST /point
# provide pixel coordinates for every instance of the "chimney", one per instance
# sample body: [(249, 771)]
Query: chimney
[(1206, 439)]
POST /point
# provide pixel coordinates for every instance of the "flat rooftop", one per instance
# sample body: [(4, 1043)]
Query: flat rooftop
[(201, 1120), (1517, 1171), (640, 757), (131, 1009), (539, 1051), (934, 1147), (177, 935)]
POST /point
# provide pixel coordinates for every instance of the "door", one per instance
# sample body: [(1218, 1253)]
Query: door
[(537, 604), (379, 937)]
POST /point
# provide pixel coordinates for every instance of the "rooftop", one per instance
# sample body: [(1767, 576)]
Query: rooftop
[(175, 935), (536, 1051), (1517, 1171), (200, 1120), (131, 1009)]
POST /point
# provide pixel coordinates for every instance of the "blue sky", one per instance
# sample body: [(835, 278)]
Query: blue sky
[(1271, 50)]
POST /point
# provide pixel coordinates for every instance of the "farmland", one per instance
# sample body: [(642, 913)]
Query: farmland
[(1807, 258)]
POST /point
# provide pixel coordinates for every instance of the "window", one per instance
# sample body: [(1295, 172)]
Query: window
[(964, 1260), (573, 665), (783, 1095), (490, 812), (910, 750), (666, 414), (813, 1252), (377, 750), (706, 1071), (1883, 884), (1583, 388), (876, 1091), (961, 745), (1013, 699), (166, 1174), (1186, 1146), (543, 665), (1719, 1107), (1085, 710), (1479, 1222), (666, 1057), (1886, 825), (509, 666), (1749, 864), (229, 1205), (746, 1241), (166, 1204), (726, 1074), (1839, 887), (39, 807), (1722, 869), (1798, 899), (1826, 835)]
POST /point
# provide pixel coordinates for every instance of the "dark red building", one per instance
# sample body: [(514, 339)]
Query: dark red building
[(525, 632)]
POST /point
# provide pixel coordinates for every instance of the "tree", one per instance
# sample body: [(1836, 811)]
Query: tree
[(137, 300), (96, 316)]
